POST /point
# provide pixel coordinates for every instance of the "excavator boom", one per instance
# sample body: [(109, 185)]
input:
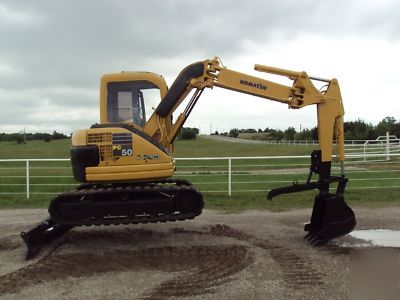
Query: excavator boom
[(211, 73)]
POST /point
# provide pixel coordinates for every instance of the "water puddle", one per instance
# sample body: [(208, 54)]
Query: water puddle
[(379, 237)]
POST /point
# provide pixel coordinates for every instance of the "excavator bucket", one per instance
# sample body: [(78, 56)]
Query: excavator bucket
[(331, 218)]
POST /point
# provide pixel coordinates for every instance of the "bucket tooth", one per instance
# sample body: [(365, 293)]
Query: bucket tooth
[(314, 239)]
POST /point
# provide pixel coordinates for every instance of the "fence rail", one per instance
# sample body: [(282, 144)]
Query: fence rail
[(219, 174), (382, 140)]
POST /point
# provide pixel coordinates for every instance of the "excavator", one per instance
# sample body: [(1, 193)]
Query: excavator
[(125, 163)]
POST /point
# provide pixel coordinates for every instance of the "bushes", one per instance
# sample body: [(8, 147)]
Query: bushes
[(187, 133), (23, 137)]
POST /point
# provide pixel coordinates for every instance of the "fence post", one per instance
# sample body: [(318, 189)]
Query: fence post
[(387, 147), (27, 179), (365, 151), (229, 176)]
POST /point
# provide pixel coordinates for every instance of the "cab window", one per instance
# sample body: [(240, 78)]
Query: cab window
[(126, 101)]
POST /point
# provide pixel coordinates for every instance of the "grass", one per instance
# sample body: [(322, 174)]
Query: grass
[(210, 177), (203, 147), (35, 149)]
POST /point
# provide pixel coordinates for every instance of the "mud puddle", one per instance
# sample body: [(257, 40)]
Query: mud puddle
[(378, 237)]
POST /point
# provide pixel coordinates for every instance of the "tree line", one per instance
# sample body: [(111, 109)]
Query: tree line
[(21, 138), (353, 130)]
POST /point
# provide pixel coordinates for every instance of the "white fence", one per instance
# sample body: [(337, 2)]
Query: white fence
[(381, 140), (225, 169), (266, 142), (363, 148), (388, 144)]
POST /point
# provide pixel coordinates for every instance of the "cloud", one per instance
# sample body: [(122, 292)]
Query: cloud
[(11, 17), (53, 53)]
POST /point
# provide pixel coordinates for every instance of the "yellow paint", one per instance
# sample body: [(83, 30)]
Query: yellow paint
[(79, 138)]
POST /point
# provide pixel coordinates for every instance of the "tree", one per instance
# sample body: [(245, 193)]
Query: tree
[(289, 133), (248, 130), (46, 137), (305, 134), (19, 138), (274, 134), (386, 125), (234, 133), (396, 129), (58, 136), (359, 130), (188, 133)]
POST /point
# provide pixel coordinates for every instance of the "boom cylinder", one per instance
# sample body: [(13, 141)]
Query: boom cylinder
[(277, 71)]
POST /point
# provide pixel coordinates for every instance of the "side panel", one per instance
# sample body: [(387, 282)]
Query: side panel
[(126, 156)]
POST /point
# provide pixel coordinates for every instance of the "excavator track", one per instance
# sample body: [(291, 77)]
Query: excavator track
[(114, 204), (127, 203)]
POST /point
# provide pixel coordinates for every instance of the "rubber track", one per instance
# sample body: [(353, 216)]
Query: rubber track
[(113, 190)]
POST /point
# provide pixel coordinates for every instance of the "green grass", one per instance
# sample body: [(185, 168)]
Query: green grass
[(203, 147), (210, 177), (35, 149), (243, 201)]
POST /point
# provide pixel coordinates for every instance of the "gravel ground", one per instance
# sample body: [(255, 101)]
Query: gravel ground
[(252, 255)]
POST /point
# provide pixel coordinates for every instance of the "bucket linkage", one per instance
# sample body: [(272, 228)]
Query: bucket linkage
[(331, 216)]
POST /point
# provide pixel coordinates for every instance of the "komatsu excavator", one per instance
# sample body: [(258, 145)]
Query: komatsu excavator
[(126, 164)]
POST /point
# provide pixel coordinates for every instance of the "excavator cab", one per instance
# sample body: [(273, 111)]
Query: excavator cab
[(128, 97)]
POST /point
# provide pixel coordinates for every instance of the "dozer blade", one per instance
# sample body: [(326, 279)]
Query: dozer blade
[(41, 235), (331, 218)]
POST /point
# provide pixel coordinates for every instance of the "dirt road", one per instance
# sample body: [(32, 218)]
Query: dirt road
[(252, 255)]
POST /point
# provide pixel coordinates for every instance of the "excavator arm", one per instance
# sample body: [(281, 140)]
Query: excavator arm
[(331, 216)]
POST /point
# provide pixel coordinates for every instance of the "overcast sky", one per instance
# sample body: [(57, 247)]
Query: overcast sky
[(52, 54)]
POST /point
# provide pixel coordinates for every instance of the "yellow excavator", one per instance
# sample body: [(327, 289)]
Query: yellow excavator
[(126, 164)]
